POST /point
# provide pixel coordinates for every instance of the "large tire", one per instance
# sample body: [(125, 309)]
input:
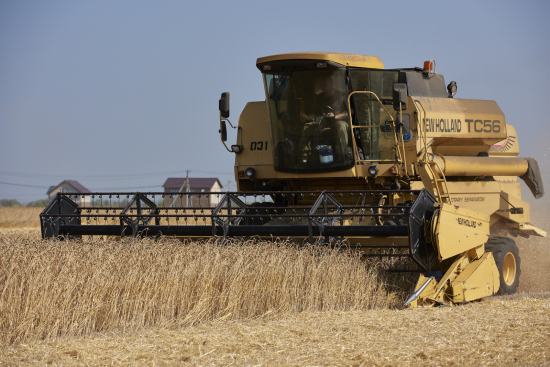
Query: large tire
[(508, 262)]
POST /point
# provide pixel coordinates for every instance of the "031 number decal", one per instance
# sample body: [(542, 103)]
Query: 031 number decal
[(258, 145)]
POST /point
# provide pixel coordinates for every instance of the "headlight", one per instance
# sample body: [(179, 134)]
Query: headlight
[(373, 170), (250, 172), (236, 148)]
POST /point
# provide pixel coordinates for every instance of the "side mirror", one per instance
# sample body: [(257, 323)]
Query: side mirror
[(404, 123), (223, 130), (399, 95), (224, 105)]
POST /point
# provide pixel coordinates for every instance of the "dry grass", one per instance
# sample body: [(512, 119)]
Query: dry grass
[(162, 303), (20, 217), (498, 331), (73, 288)]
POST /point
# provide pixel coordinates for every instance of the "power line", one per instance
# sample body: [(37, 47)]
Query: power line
[(108, 177), (23, 185), (126, 188), (99, 188), (3, 196), (54, 176)]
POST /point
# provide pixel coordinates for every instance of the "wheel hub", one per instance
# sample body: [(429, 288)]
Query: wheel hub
[(509, 268)]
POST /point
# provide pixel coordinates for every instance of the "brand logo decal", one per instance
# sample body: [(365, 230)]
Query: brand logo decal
[(466, 222)]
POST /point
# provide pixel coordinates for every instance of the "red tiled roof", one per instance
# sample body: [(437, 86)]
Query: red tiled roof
[(194, 183)]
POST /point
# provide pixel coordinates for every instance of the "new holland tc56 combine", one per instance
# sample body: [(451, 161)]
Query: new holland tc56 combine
[(343, 151)]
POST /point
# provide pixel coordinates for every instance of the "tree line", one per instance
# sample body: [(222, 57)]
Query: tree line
[(15, 202)]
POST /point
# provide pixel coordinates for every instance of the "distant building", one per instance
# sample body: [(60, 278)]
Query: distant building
[(71, 187), (174, 185)]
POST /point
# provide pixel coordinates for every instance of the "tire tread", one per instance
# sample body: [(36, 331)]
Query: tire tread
[(500, 246)]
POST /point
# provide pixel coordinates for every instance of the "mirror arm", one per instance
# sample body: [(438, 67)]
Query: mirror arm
[(229, 150), (222, 134), (230, 124)]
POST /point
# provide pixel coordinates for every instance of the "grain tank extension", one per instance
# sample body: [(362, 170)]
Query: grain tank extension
[(343, 151)]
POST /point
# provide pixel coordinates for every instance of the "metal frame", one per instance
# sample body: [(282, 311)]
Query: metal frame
[(314, 215)]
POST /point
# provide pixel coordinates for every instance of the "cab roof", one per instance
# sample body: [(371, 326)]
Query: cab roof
[(359, 61)]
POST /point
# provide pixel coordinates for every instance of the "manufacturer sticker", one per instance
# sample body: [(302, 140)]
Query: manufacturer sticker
[(466, 222)]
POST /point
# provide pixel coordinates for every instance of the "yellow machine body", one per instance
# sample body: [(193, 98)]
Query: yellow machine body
[(414, 136)]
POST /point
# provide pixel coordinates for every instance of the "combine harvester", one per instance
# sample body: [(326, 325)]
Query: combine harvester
[(345, 151)]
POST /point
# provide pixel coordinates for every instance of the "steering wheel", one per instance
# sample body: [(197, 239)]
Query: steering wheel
[(326, 110)]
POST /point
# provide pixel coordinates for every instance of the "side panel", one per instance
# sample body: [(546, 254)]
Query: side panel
[(481, 196), (488, 197), (463, 119), (479, 279), (255, 136), (460, 127), (459, 230), (508, 202)]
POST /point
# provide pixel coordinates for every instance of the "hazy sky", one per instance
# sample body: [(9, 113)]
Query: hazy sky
[(123, 94)]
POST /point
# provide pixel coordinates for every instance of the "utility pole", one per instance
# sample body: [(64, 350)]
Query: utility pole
[(187, 190), (228, 185), (185, 183)]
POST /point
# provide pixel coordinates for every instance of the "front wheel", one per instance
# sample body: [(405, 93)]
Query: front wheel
[(506, 255)]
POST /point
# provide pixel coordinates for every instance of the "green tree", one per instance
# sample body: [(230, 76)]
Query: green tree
[(39, 203), (10, 202)]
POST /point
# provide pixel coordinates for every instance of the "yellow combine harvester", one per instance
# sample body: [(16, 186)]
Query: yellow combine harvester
[(345, 151)]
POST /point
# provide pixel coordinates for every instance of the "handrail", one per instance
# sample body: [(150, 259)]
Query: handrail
[(356, 153), (404, 167), (424, 133)]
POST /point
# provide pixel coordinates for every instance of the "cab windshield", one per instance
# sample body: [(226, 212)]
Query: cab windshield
[(309, 120), (369, 115)]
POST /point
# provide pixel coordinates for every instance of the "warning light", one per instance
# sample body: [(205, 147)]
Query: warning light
[(426, 65), (429, 67)]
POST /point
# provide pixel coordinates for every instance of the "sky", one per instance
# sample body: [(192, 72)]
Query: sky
[(120, 95)]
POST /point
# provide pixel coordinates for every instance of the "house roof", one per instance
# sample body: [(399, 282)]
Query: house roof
[(194, 183), (78, 187)]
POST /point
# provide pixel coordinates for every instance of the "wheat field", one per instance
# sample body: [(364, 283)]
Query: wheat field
[(145, 302), (73, 288), (20, 217)]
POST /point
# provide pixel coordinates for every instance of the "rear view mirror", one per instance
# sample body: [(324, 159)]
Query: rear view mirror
[(404, 123), (223, 130), (224, 105), (399, 96)]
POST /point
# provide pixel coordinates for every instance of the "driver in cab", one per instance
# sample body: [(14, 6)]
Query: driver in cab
[(329, 97), (330, 104)]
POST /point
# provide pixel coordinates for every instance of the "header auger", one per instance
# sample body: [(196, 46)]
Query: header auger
[(343, 151)]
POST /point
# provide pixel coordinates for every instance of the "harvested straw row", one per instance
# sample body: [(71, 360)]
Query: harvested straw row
[(499, 331), (69, 288)]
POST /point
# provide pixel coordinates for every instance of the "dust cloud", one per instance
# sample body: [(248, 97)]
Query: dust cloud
[(535, 250)]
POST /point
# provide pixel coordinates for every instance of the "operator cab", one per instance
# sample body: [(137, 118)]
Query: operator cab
[(311, 107)]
